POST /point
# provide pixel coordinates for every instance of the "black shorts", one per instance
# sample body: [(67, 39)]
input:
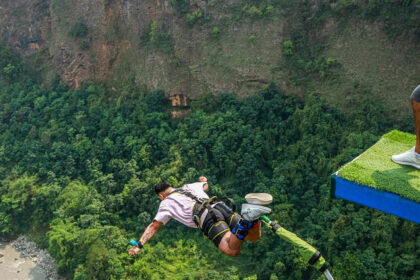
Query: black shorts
[(416, 94), (226, 220)]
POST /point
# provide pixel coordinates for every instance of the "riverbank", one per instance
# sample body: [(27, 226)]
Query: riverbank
[(22, 259)]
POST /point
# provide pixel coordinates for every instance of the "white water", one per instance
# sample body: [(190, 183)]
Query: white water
[(14, 267)]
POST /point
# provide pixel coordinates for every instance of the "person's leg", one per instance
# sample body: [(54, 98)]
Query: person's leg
[(229, 232), (232, 219), (412, 156), (219, 231), (230, 244), (416, 110), (221, 236)]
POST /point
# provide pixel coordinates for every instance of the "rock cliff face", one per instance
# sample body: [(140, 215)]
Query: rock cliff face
[(207, 48), (25, 25), (194, 61)]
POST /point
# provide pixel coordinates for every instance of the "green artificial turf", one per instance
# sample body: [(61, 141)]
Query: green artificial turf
[(374, 168)]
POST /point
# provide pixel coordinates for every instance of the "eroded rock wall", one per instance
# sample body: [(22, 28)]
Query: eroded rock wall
[(196, 61)]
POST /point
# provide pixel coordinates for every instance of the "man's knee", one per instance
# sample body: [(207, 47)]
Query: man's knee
[(233, 253), (230, 252), (228, 245)]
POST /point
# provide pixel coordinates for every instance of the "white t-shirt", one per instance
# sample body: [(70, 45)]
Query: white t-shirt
[(179, 207)]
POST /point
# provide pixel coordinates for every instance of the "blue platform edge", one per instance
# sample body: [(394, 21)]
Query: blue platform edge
[(380, 200)]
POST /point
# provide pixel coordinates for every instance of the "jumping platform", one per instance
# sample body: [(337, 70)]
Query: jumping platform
[(374, 180)]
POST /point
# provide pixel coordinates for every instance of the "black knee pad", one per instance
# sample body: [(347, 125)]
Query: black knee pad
[(415, 95)]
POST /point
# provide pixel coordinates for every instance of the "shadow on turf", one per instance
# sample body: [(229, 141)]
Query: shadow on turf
[(397, 178)]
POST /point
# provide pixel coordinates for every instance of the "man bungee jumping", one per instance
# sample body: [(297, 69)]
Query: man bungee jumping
[(191, 206), (412, 156)]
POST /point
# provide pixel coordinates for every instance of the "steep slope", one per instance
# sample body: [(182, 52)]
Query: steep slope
[(194, 47)]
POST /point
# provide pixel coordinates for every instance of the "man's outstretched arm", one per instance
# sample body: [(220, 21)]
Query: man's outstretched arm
[(146, 236)]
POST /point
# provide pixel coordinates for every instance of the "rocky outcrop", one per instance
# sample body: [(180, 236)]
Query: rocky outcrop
[(25, 25)]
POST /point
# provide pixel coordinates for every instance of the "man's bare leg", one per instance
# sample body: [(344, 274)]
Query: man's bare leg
[(412, 156), (416, 110), (230, 244)]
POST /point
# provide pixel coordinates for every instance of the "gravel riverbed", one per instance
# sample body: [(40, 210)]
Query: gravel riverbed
[(22, 259)]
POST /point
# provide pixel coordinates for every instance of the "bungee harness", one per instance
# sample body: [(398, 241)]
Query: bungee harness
[(201, 205)]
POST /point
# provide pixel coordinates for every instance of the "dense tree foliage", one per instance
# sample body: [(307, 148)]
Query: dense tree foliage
[(78, 166)]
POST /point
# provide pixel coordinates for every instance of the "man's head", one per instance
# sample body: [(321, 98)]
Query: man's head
[(161, 188)]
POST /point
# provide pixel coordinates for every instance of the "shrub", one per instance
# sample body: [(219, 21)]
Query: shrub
[(181, 6), (156, 37), (156, 101), (255, 12), (193, 17), (153, 34), (269, 10), (288, 47), (331, 61), (84, 45), (215, 32), (79, 29)]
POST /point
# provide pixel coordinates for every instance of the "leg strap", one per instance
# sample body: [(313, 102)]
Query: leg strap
[(234, 220), (241, 229)]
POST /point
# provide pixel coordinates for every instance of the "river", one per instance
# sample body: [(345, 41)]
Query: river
[(13, 266)]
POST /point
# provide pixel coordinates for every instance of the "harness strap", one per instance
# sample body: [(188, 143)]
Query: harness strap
[(203, 205), (232, 202)]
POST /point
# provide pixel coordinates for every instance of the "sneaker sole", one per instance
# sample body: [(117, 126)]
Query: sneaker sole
[(406, 163), (259, 198), (265, 208), (246, 216)]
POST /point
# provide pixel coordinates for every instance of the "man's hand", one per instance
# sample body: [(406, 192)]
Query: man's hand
[(202, 179), (133, 251), (147, 234)]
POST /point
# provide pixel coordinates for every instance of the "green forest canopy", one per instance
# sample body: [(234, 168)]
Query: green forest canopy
[(78, 166)]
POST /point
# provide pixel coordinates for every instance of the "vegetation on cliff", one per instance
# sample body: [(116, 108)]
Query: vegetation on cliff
[(77, 169), (240, 46)]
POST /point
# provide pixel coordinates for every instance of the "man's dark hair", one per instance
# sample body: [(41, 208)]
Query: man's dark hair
[(161, 186)]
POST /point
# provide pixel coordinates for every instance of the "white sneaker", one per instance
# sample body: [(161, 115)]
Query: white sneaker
[(251, 212), (407, 158), (259, 198)]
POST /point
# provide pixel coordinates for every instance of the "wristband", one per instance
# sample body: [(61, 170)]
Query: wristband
[(136, 244)]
